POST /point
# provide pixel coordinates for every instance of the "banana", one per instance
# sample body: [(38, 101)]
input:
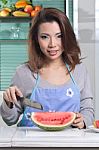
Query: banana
[(7, 9), (20, 14)]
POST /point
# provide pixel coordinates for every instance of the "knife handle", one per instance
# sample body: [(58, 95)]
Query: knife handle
[(19, 97)]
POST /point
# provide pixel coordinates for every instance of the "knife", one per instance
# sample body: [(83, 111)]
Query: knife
[(30, 103)]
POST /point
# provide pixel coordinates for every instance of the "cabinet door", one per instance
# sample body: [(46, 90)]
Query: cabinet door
[(13, 49)]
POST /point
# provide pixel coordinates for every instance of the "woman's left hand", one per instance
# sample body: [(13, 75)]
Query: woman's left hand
[(79, 121)]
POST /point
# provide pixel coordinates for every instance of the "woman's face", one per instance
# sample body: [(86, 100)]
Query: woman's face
[(49, 38)]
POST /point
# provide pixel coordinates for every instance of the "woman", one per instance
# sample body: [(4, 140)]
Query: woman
[(54, 75)]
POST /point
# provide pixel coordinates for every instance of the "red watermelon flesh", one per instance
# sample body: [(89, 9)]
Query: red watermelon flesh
[(53, 120), (96, 123)]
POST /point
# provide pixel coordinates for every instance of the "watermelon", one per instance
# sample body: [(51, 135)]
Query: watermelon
[(96, 123), (53, 121)]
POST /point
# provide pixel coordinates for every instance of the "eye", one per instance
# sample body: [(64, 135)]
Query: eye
[(59, 36), (43, 36)]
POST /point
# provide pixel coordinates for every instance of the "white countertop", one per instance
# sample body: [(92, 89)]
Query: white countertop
[(35, 137), (6, 134)]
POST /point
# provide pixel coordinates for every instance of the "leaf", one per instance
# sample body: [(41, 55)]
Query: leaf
[(4, 2), (28, 2)]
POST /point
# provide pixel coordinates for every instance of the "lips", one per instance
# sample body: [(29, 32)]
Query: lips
[(52, 52)]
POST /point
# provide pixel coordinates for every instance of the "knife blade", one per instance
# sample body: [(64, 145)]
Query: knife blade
[(30, 103)]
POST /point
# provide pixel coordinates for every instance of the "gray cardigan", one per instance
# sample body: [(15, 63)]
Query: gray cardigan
[(25, 81)]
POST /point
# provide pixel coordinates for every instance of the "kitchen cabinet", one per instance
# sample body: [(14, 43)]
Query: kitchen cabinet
[(13, 46)]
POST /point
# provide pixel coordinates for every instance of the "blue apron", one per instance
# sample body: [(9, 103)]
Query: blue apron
[(63, 98)]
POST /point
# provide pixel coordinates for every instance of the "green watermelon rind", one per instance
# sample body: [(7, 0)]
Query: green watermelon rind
[(53, 127)]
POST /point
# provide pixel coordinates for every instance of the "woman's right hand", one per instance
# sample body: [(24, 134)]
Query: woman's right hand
[(9, 95)]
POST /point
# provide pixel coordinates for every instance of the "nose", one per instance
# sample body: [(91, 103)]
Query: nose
[(52, 42)]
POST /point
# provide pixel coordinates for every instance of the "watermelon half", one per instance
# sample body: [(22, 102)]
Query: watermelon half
[(53, 121)]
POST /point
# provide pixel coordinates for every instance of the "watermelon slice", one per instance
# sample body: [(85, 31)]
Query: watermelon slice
[(53, 121), (96, 123)]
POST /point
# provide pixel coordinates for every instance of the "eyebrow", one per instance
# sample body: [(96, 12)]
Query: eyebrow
[(48, 34)]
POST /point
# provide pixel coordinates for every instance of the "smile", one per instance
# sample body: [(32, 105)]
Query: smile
[(52, 52)]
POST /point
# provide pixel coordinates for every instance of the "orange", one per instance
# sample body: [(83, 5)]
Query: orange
[(33, 13), (37, 8)]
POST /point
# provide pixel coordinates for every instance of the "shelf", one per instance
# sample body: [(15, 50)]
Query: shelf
[(12, 19), (13, 40)]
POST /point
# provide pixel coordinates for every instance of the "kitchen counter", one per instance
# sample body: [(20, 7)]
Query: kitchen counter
[(6, 134), (70, 138)]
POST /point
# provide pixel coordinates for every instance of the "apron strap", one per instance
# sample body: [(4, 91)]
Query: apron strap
[(37, 82), (71, 75)]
